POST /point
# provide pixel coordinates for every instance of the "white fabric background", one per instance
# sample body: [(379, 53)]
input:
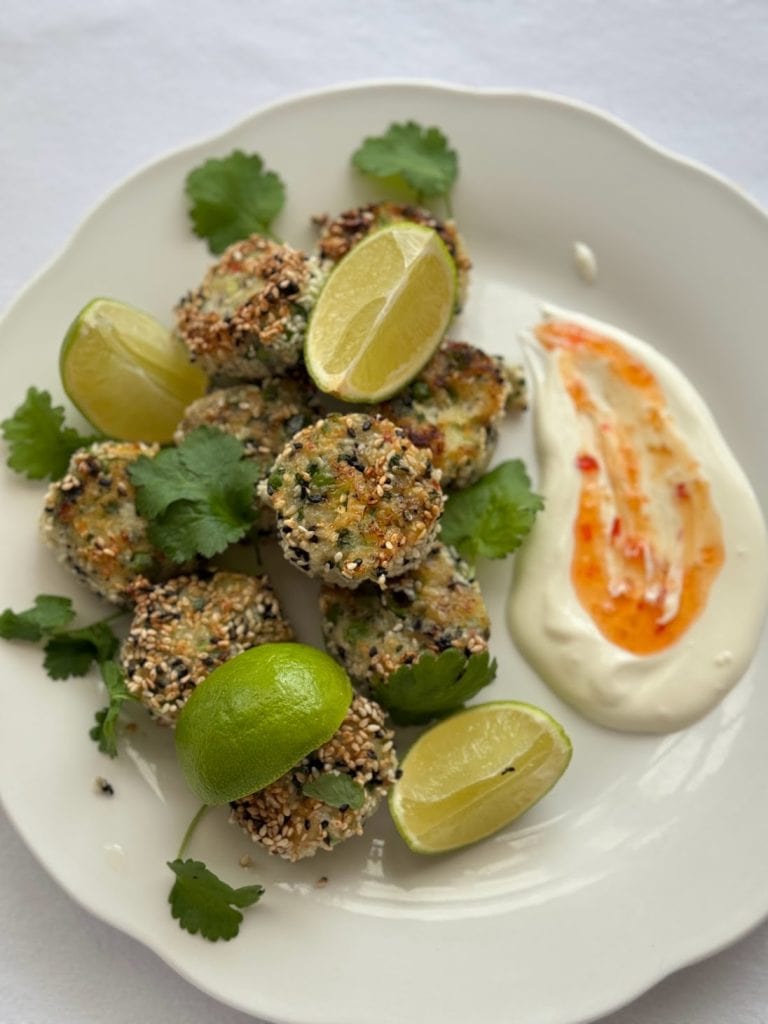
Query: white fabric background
[(92, 89)]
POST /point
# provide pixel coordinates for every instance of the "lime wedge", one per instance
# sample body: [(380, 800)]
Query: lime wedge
[(256, 716), (126, 373), (475, 772), (382, 313)]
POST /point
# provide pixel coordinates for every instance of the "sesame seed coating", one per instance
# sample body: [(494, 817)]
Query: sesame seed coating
[(287, 823), (184, 628), (435, 606), (248, 318), (90, 520), (340, 235), (355, 500), (264, 416), (454, 408)]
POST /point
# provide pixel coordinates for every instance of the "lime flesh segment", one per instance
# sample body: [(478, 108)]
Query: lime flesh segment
[(475, 772), (256, 716), (382, 313), (126, 373)]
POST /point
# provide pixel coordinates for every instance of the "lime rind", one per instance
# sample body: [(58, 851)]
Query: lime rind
[(256, 716)]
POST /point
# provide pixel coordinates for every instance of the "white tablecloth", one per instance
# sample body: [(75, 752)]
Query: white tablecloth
[(92, 89)]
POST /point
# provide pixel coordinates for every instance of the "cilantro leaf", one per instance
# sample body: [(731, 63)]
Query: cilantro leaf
[(201, 902), (199, 497), (104, 733), (71, 652), (47, 614), (491, 517), (232, 198), (335, 790), (419, 156), (434, 686), (40, 445)]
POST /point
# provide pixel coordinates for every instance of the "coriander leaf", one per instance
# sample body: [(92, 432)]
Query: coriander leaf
[(190, 528), (420, 156), (434, 686), (201, 902), (105, 731), (47, 614), (198, 497), (335, 790), (72, 652), (491, 517), (40, 445), (232, 198), (161, 481)]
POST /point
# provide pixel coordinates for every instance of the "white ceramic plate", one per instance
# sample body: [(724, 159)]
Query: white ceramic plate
[(651, 852)]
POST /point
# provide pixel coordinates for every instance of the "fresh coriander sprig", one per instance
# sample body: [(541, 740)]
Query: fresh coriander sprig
[(40, 445), (199, 497), (419, 157), (200, 901), (47, 614), (491, 517), (232, 198), (68, 652), (104, 733), (434, 686), (72, 652)]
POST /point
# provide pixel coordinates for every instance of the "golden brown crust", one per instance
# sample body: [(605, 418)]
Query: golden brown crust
[(435, 606), (263, 416), (453, 408), (287, 823), (183, 629), (90, 520), (355, 499), (248, 318)]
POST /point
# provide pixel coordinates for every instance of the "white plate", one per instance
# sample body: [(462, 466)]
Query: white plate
[(651, 852)]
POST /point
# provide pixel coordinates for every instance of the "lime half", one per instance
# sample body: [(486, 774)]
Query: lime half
[(475, 772), (126, 373), (258, 715), (382, 314)]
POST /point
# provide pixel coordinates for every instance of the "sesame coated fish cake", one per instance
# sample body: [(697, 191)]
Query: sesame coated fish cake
[(355, 500), (248, 318), (454, 408), (341, 234), (432, 608), (287, 823), (91, 522), (263, 416), (184, 628)]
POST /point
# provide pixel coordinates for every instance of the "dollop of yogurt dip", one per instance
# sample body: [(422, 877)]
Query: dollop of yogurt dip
[(640, 594)]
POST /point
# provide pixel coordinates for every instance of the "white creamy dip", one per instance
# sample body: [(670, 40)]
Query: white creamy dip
[(648, 692)]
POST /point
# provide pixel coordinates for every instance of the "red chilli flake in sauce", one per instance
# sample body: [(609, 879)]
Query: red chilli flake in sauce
[(648, 542)]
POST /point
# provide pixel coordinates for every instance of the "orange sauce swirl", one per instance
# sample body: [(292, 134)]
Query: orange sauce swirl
[(648, 542)]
